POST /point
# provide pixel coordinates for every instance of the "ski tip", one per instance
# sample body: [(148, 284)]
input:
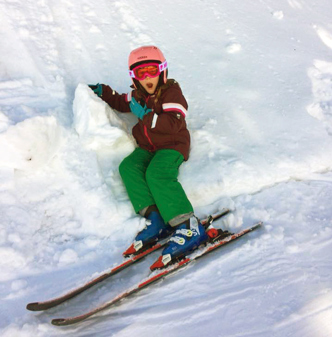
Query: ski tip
[(256, 225), (33, 306), (58, 321)]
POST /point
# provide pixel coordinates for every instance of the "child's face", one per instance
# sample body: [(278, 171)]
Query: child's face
[(150, 84)]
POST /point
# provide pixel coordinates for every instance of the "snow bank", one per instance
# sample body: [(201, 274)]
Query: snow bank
[(61, 183)]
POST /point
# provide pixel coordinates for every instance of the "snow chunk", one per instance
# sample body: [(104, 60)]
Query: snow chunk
[(97, 124), (324, 35), (278, 15), (68, 256), (321, 107), (233, 47)]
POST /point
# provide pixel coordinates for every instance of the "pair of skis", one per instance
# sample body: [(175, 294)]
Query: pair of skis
[(155, 276)]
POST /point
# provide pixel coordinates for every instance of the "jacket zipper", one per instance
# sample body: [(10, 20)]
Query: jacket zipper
[(149, 139), (154, 148)]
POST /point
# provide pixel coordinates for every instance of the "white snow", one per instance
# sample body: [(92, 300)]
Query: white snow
[(258, 79)]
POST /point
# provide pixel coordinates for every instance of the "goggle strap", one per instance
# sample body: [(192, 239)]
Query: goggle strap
[(163, 66), (131, 73)]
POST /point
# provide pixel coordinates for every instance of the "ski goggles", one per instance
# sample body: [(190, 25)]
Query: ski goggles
[(149, 69)]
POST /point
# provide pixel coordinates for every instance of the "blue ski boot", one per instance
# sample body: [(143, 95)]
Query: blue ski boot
[(155, 230), (186, 239)]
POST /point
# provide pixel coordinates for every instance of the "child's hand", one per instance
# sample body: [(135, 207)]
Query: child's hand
[(97, 89), (137, 109)]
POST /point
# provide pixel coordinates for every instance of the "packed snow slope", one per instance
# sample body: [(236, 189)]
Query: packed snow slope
[(258, 79)]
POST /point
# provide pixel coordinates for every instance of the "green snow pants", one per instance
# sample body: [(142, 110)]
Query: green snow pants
[(151, 179)]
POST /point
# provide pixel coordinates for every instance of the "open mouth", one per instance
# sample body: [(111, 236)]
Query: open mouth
[(149, 85)]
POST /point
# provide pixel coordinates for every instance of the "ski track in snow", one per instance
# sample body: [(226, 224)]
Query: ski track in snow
[(258, 79)]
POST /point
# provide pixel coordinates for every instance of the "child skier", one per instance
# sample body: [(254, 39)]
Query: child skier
[(150, 172)]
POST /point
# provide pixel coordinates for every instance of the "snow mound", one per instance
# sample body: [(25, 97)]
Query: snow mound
[(30, 144)]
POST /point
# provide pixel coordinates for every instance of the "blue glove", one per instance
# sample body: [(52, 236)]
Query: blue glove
[(137, 109), (97, 89)]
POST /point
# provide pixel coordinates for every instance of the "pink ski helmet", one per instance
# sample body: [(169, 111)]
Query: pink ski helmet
[(147, 54)]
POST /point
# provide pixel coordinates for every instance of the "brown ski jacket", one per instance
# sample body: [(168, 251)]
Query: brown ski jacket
[(162, 128)]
